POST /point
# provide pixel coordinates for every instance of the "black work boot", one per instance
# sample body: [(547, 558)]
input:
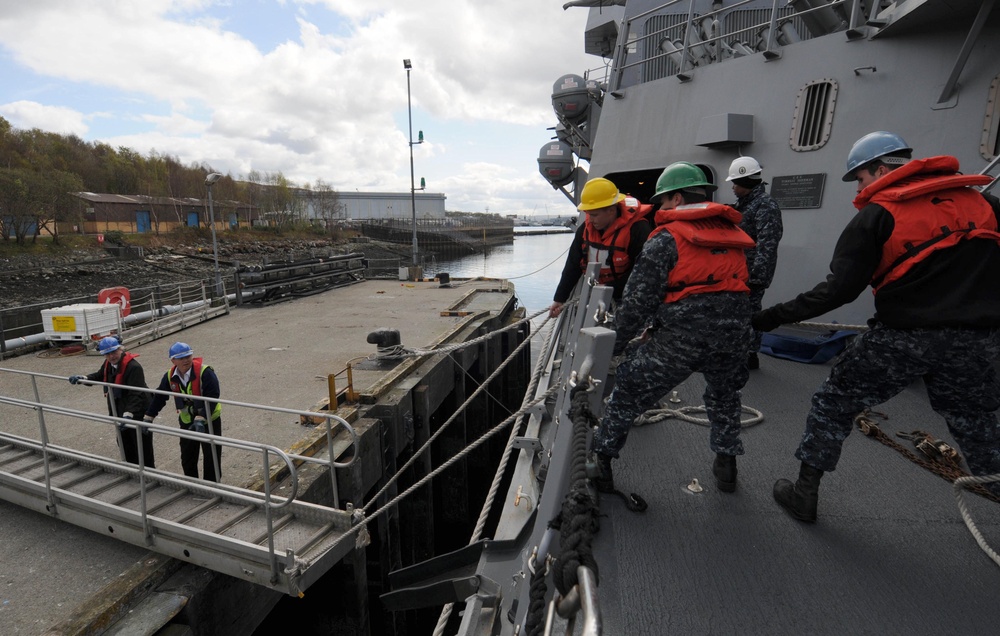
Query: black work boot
[(800, 498), (604, 481), (724, 469)]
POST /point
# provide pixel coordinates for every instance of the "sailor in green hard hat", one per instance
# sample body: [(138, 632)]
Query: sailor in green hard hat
[(685, 309)]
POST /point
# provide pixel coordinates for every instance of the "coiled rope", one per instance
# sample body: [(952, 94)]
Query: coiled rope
[(653, 416)]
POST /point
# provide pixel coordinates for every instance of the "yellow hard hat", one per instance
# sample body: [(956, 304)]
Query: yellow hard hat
[(599, 193)]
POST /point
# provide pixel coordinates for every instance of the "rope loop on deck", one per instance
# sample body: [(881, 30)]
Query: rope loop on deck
[(653, 416)]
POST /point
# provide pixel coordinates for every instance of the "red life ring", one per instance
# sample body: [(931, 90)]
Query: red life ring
[(118, 296)]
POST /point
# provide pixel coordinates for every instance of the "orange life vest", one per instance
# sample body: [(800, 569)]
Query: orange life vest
[(710, 250), (120, 375), (614, 240), (932, 207)]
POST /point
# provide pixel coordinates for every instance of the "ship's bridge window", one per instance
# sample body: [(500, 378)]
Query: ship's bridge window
[(989, 147), (813, 118)]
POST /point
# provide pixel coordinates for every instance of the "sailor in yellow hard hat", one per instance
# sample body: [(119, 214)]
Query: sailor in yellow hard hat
[(613, 234)]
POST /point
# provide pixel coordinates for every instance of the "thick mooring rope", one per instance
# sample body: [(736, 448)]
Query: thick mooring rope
[(497, 477)]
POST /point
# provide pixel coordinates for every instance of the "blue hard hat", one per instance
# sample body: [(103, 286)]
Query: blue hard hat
[(107, 345), (180, 350), (871, 147)]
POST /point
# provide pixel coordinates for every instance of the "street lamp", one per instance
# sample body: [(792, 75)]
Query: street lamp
[(413, 185), (209, 182)]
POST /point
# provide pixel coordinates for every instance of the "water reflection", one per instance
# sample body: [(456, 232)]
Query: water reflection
[(532, 263)]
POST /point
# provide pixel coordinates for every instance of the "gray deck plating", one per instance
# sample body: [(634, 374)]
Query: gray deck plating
[(889, 554)]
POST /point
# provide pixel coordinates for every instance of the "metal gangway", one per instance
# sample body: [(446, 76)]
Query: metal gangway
[(274, 541)]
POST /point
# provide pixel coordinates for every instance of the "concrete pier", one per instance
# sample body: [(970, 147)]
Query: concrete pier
[(74, 582)]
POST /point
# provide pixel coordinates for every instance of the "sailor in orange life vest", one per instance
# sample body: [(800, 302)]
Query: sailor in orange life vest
[(123, 369), (689, 304), (613, 234), (927, 243), (191, 376)]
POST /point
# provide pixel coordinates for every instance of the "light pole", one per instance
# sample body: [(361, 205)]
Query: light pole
[(209, 182), (413, 185)]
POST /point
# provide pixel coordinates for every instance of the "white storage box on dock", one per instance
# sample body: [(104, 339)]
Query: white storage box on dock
[(81, 322)]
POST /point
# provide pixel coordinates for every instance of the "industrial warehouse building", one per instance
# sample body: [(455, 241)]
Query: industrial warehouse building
[(139, 214)]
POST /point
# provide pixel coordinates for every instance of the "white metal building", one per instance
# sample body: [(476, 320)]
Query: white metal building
[(383, 205)]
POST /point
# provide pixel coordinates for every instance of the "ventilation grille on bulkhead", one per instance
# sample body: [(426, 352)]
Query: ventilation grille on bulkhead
[(813, 117)]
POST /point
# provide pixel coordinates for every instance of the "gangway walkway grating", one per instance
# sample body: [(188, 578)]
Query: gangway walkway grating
[(278, 542), (207, 526)]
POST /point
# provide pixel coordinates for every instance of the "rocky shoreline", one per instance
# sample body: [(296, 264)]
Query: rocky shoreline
[(76, 275)]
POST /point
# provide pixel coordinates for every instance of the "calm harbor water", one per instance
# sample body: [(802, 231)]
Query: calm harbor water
[(531, 263)]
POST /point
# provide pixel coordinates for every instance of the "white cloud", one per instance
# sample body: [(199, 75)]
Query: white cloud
[(57, 119), (321, 104)]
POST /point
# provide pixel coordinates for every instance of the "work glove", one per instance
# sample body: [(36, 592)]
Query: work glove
[(765, 321), (147, 418), (73, 379), (128, 416), (199, 425)]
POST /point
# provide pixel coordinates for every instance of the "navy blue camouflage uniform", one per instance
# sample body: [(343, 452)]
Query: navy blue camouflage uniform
[(705, 333), (940, 321), (762, 221)]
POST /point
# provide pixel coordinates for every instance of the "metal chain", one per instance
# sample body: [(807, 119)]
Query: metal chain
[(866, 424)]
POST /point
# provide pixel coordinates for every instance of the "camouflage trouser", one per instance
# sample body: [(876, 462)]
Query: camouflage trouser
[(957, 368), (666, 360), (756, 303)]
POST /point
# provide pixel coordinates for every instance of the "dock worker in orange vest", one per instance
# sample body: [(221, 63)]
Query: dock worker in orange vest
[(613, 234), (122, 368), (198, 384)]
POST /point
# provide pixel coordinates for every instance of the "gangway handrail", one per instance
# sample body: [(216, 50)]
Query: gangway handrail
[(251, 405), (48, 449), (329, 418), (166, 476)]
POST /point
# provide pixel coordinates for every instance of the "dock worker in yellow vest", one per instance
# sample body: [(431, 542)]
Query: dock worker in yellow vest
[(198, 384)]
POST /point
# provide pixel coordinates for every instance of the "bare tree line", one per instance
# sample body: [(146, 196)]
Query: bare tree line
[(39, 171)]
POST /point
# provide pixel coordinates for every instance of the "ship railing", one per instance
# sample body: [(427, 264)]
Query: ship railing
[(988, 170), (128, 426), (699, 33)]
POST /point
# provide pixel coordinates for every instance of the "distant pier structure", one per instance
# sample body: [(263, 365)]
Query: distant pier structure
[(462, 235)]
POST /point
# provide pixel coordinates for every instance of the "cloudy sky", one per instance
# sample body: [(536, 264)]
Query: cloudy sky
[(313, 88)]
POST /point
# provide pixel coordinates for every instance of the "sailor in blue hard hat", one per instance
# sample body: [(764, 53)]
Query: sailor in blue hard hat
[(121, 368), (180, 350), (926, 239), (874, 156)]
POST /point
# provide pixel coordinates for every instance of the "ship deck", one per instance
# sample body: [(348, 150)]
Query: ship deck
[(890, 553)]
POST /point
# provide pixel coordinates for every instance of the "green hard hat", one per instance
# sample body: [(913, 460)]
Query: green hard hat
[(679, 176)]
